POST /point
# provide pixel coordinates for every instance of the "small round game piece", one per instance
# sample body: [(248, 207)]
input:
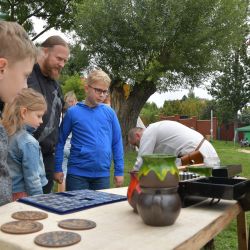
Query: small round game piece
[(29, 215), (21, 227), (77, 224), (57, 239)]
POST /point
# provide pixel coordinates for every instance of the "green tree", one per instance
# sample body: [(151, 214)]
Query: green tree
[(191, 94), (78, 60), (188, 107), (245, 116), (58, 14), (172, 108), (206, 111), (149, 113), (156, 45), (193, 107), (231, 89), (74, 83)]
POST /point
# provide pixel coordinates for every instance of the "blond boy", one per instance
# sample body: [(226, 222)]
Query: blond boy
[(17, 57), (96, 139)]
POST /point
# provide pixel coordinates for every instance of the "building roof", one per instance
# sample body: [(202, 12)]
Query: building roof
[(243, 129)]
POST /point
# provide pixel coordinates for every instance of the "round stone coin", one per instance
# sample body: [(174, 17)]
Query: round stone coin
[(21, 227), (77, 224), (57, 239), (29, 215)]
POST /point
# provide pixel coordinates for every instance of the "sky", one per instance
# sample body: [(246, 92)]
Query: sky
[(157, 98), (38, 26)]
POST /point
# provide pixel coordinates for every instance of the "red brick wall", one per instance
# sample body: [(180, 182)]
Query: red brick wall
[(202, 126)]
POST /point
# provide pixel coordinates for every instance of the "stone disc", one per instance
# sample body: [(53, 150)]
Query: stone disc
[(21, 227), (57, 239), (77, 224), (29, 215)]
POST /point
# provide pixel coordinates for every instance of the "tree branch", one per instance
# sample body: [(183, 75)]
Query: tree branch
[(35, 12), (39, 34)]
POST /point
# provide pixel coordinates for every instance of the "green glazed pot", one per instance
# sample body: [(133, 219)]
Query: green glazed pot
[(158, 171)]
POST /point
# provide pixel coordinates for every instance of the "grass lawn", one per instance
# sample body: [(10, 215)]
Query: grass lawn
[(229, 154)]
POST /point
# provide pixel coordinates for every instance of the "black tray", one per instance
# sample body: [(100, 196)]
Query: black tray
[(213, 187), (227, 171)]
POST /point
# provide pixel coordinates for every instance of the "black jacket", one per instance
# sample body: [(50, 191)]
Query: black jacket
[(47, 133)]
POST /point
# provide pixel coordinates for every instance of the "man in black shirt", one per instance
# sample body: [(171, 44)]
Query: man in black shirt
[(53, 56)]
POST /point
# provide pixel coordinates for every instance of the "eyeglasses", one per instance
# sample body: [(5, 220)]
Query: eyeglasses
[(100, 91)]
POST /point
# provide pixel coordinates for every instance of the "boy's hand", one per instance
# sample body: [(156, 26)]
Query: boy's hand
[(58, 177), (118, 180)]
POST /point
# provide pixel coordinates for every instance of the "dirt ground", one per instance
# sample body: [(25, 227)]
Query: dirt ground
[(244, 151)]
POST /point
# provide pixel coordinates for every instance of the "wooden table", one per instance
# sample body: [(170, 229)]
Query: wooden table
[(118, 227)]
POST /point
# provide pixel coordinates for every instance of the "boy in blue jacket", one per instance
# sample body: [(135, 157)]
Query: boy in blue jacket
[(96, 140)]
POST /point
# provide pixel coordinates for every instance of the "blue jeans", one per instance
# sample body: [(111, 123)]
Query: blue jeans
[(75, 182)]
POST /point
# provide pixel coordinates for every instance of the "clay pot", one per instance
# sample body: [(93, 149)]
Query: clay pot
[(158, 171), (159, 207), (133, 190)]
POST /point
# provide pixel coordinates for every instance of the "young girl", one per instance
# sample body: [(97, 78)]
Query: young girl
[(20, 118)]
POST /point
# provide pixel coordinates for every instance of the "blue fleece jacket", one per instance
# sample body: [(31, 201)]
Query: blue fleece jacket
[(96, 140)]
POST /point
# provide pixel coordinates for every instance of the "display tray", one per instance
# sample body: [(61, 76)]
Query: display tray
[(71, 201), (213, 187), (227, 171)]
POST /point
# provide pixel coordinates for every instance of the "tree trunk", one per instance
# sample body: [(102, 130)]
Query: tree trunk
[(236, 123), (128, 109)]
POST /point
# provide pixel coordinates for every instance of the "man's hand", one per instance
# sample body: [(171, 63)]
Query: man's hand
[(58, 177), (118, 180)]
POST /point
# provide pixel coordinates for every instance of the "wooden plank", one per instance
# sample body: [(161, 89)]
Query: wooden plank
[(184, 168), (211, 230), (242, 231)]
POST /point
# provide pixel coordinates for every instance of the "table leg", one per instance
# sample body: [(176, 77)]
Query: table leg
[(242, 231), (210, 245)]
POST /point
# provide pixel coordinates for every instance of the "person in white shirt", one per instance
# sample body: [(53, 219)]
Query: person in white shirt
[(169, 137)]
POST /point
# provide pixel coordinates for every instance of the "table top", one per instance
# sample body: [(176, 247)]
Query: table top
[(118, 227)]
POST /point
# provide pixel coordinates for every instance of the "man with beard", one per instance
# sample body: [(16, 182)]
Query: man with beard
[(53, 56)]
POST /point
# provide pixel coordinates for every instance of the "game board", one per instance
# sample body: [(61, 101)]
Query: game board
[(71, 201)]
